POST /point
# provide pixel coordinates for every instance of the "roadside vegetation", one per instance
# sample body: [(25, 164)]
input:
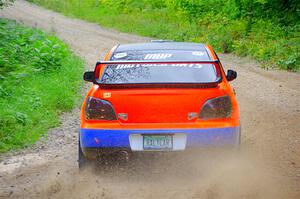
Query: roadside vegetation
[(39, 78), (4, 3), (267, 30)]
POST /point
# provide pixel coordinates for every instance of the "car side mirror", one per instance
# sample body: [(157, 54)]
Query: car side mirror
[(231, 75), (89, 76)]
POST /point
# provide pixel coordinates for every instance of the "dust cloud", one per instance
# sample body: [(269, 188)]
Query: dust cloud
[(194, 174)]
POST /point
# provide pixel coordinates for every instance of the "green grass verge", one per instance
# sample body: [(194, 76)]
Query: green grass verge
[(40, 78), (212, 22)]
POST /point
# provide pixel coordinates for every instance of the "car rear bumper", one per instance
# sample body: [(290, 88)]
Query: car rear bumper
[(188, 138)]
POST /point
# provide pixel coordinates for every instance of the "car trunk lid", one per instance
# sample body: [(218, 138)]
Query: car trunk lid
[(159, 105)]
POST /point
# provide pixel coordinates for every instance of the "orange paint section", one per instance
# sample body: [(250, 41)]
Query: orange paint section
[(211, 52), (170, 110)]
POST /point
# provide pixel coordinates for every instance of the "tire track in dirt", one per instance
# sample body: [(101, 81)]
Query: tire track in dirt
[(267, 167)]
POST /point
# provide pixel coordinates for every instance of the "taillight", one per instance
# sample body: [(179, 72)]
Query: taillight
[(216, 108), (97, 109)]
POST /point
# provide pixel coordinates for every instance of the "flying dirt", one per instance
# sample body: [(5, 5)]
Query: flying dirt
[(267, 165)]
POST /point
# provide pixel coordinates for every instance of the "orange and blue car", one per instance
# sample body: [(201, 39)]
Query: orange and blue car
[(158, 96)]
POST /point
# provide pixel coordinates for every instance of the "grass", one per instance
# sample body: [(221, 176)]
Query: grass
[(266, 41), (40, 78)]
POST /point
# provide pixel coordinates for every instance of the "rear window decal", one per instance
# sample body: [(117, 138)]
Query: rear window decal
[(126, 66), (120, 55), (160, 72), (198, 53), (189, 55), (157, 56)]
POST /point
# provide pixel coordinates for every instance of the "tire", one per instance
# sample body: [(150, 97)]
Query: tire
[(82, 160)]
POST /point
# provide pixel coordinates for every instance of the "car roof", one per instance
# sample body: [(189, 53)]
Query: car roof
[(161, 45)]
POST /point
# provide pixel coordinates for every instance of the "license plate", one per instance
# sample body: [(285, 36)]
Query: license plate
[(158, 142)]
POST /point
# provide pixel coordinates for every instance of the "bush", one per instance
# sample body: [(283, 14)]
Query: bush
[(4, 3), (40, 78)]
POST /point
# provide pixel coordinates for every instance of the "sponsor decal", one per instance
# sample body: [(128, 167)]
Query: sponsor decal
[(120, 55), (157, 56), (106, 95), (127, 66), (198, 53)]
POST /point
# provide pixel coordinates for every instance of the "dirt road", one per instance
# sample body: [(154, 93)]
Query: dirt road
[(268, 165)]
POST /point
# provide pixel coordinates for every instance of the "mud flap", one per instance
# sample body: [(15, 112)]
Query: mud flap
[(82, 160)]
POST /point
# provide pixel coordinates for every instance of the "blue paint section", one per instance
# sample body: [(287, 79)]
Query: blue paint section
[(195, 137)]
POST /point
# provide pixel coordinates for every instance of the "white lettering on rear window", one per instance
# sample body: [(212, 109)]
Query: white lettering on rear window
[(157, 56), (126, 66)]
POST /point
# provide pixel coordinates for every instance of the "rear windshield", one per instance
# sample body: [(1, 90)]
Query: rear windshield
[(160, 73)]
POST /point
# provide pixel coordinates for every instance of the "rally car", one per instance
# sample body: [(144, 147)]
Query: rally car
[(158, 96)]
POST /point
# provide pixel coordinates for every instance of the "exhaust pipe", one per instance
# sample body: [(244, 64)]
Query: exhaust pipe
[(123, 155)]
